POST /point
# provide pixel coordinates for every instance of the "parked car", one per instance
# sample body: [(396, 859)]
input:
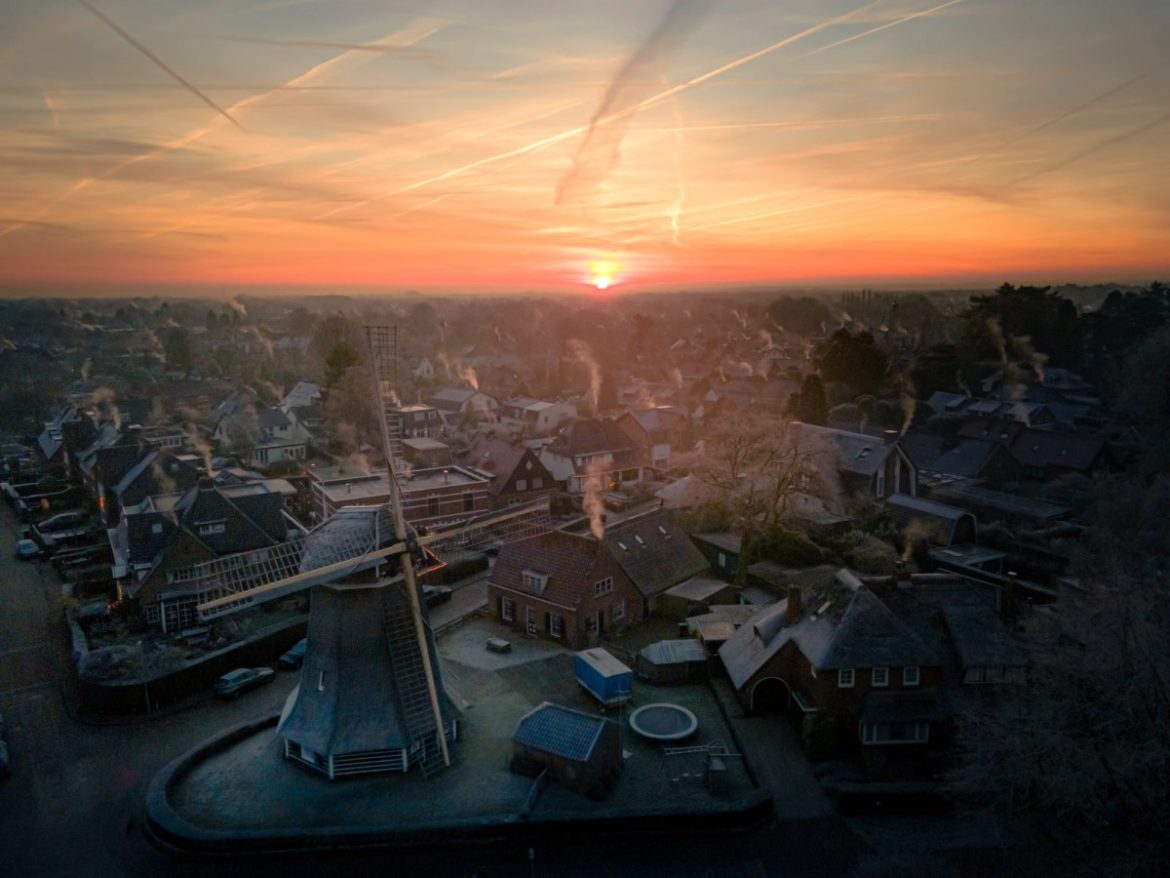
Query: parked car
[(294, 657), (436, 594), (28, 549), (234, 683)]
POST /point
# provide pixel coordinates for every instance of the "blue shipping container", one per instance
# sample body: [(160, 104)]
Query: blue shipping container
[(603, 677)]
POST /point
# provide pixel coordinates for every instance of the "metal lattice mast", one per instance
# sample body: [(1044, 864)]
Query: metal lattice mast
[(382, 344)]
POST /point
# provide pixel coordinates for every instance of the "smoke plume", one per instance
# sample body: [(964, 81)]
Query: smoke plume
[(105, 403), (581, 351), (468, 374), (592, 503)]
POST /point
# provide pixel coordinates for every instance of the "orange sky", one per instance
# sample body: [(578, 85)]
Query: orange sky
[(424, 144)]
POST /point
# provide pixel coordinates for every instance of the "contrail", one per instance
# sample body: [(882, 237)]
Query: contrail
[(159, 62), (380, 48), (1091, 150), (554, 139), (601, 147), (880, 27), (417, 31), (1084, 105)]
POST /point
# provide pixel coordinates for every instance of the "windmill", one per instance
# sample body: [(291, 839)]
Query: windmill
[(371, 697)]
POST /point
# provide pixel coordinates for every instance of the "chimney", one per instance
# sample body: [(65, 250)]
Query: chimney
[(792, 613), (889, 437)]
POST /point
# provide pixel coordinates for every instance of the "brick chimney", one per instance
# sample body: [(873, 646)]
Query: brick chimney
[(792, 613)]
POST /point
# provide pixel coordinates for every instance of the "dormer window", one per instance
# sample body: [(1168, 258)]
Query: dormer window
[(211, 528), (534, 581)]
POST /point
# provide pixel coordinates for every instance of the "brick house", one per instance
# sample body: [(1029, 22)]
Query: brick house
[(516, 473), (850, 671), (564, 587)]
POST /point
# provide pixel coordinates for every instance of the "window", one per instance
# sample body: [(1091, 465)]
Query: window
[(210, 528), (603, 586), (895, 733), (156, 528), (619, 611), (880, 677), (845, 678), (910, 676), (722, 560), (507, 609), (530, 621), (534, 581), (521, 485), (556, 625)]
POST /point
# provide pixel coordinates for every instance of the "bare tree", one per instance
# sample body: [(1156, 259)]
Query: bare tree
[(758, 468), (1084, 748)]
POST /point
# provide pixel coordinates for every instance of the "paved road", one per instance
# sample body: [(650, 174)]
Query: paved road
[(73, 806)]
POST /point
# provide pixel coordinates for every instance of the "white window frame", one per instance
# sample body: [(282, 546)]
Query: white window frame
[(556, 625), (521, 484), (507, 609), (603, 586), (846, 678), (618, 613), (877, 734), (911, 675), (534, 580), (879, 678)]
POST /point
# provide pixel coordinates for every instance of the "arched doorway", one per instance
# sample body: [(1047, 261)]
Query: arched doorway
[(770, 696)]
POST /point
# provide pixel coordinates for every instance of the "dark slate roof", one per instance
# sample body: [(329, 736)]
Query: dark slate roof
[(858, 453), (271, 419), (956, 456), (359, 704), (1003, 432), (591, 436), (1038, 448), (674, 652), (561, 731), (566, 559), (251, 513), (499, 458), (654, 551), (867, 635), (862, 633), (930, 509), (980, 637)]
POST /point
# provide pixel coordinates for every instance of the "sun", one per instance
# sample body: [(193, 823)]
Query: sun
[(604, 274)]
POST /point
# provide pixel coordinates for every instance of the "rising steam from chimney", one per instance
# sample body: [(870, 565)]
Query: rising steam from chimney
[(581, 351), (592, 503)]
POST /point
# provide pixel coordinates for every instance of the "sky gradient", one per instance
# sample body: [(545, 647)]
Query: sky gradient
[(552, 145)]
